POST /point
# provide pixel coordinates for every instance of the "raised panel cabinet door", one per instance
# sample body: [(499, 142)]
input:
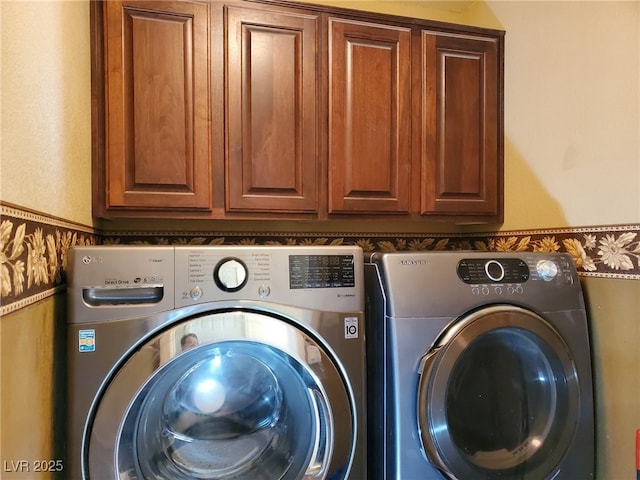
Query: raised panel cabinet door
[(158, 154), (272, 121), (461, 130), (369, 117)]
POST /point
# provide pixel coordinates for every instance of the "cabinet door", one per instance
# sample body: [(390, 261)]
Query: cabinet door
[(157, 105), (369, 117), (272, 150), (461, 131)]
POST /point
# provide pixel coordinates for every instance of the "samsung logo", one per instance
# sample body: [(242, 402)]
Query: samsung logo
[(414, 262)]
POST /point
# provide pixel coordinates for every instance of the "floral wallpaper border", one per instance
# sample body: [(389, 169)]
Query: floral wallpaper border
[(33, 248), (33, 255)]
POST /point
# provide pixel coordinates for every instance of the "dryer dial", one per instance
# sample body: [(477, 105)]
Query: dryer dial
[(547, 270), (494, 270), (230, 274)]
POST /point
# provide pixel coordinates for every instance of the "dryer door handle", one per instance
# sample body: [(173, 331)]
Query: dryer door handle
[(429, 448)]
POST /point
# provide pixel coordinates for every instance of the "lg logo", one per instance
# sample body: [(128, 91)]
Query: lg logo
[(87, 259)]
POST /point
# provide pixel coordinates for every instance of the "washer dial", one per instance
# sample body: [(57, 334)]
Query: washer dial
[(230, 274)]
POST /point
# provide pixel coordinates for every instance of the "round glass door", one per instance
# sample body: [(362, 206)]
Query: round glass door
[(498, 396), (251, 398)]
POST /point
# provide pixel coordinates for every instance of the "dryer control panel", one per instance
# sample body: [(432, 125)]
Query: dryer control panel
[(437, 284), (506, 270), (512, 270)]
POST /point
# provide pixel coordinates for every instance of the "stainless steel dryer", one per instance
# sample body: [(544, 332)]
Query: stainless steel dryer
[(479, 367), (241, 363)]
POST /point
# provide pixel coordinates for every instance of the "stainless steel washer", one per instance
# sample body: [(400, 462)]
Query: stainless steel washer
[(216, 362), (479, 367)]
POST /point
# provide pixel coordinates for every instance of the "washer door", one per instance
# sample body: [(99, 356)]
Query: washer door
[(498, 397), (256, 398)]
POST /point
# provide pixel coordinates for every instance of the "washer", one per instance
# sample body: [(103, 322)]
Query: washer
[(479, 367), (221, 362)]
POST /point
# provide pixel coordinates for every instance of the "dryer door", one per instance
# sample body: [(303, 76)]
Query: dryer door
[(254, 398), (498, 397)]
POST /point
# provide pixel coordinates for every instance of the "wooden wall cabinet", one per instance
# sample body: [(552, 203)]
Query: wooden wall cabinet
[(415, 124), (273, 109), (369, 117), (157, 153), (461, 124), (272, 114)]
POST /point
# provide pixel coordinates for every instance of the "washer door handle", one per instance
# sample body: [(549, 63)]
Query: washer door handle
[(323, 436)]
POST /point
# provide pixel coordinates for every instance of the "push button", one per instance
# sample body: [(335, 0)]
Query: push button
[(195, 293)]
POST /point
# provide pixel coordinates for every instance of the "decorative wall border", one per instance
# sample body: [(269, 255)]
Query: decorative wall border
[(33, 248), (33, 254)]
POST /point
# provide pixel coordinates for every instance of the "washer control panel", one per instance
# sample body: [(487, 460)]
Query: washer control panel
[(321, 271), (312, 277), (506, 270)]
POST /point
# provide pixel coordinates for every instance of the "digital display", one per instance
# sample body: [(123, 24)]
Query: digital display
[(321, 271)]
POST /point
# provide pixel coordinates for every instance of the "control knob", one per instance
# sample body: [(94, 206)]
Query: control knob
[(547, 270), (230, 274), (494, 270)]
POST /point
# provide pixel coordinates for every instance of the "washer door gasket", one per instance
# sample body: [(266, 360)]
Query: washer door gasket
[(498, 396)]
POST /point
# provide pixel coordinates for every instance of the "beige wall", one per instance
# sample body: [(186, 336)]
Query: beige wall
[(32, 389), (572, 111), (572, 158), (46, 107)]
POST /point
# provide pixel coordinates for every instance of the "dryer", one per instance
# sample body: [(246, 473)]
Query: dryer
[(226, 362), (479, 367)]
